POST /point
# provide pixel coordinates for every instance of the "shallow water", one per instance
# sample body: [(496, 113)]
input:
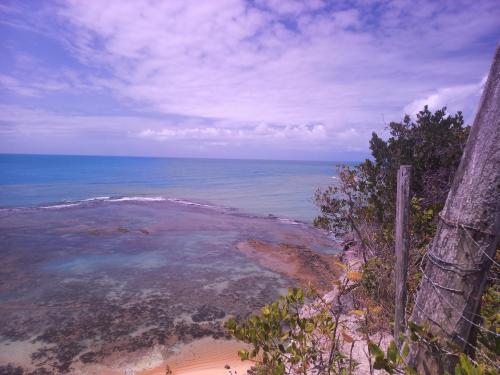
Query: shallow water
[(84, 280)]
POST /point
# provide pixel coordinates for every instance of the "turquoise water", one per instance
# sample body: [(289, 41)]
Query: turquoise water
[(87, 281), (106, 257), (281, 188)]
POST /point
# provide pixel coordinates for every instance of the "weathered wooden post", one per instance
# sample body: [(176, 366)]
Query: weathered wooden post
[(465, 243), (402, 211)]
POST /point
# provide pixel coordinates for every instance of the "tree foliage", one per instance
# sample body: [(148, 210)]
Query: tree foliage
[(433, 144), (299, 333)]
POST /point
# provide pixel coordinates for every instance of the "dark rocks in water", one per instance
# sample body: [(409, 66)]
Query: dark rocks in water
[(18, 370), (11, 370), (207, 313), (89, 357), (59, 357), (121, 278)]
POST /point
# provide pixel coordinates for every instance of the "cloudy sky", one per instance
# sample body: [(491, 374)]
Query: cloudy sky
[(280, 79)]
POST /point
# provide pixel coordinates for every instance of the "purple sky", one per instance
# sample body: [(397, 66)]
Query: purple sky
[(232, 78)]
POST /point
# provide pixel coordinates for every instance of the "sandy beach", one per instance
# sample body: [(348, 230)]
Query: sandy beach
[(204, 357)]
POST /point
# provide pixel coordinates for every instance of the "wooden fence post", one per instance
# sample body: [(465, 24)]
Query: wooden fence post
[(460, 256), (402, 212)]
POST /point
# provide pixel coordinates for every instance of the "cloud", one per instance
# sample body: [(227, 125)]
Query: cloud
[(287, 73), (277, 62), (303, 134), (455, 98), (36, 88)]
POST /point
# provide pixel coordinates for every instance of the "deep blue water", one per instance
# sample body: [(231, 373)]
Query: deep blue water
[(281, 188)]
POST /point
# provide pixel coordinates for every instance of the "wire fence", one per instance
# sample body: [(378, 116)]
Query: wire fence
[(480, 261)]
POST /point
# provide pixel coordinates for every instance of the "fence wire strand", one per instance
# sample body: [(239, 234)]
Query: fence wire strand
[(463, 271)]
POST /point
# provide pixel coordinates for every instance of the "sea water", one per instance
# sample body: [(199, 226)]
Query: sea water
[(107, 255), (281, 188)]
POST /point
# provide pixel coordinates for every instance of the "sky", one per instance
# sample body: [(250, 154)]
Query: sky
[(275, 79)]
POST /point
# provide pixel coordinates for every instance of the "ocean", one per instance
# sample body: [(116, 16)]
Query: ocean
[(281, 188), (106, 259)]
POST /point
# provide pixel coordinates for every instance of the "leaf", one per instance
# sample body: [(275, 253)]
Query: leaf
[(309, 327), (376, 310), (357, 312), (381, 363), (466, 364), (285, 336), (354, 276), (406, 350), (410, 370), (341, 265), (375, 350), (347, 338), (392, 352), (243, 354), (266, 310)]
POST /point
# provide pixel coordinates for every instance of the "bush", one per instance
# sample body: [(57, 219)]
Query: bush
[(432, 145)]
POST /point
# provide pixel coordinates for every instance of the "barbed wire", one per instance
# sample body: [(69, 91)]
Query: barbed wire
[(462, 316), (480, 248), (462, 270), (446, 265), (456, 223), (466, 342)]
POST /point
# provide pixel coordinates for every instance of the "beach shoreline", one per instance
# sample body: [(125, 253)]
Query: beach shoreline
[(205, 356), (125, 287)]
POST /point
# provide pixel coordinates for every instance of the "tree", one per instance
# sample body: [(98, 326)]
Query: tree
[(465, 243), (432, 144)]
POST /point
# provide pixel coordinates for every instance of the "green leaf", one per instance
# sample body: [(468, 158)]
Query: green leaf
[(406, 350), (309, 327), (392, 352), (410, 371), (375, 350), (243, 354), (381, 363), (266, 310)]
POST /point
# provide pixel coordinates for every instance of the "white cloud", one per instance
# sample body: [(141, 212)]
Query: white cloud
[(227, 59), (254, 72), (455, 98), (302, 134)]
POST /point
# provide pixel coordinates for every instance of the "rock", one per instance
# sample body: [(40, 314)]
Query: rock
[(207, 313)]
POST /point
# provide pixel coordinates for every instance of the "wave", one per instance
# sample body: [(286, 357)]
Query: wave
[(95, 199), (86, 201), (191, 203), (61, 205), (289, 221), (117, 199), (137, 199)]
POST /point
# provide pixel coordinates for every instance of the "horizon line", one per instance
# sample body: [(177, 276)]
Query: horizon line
[(184, 157)]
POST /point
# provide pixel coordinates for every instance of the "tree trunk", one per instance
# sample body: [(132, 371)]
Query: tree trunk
[(461, 253)]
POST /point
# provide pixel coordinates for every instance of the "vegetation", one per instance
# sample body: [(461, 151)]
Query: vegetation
[(363, 199), (302, 333), (284, 340), (433, 145)]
